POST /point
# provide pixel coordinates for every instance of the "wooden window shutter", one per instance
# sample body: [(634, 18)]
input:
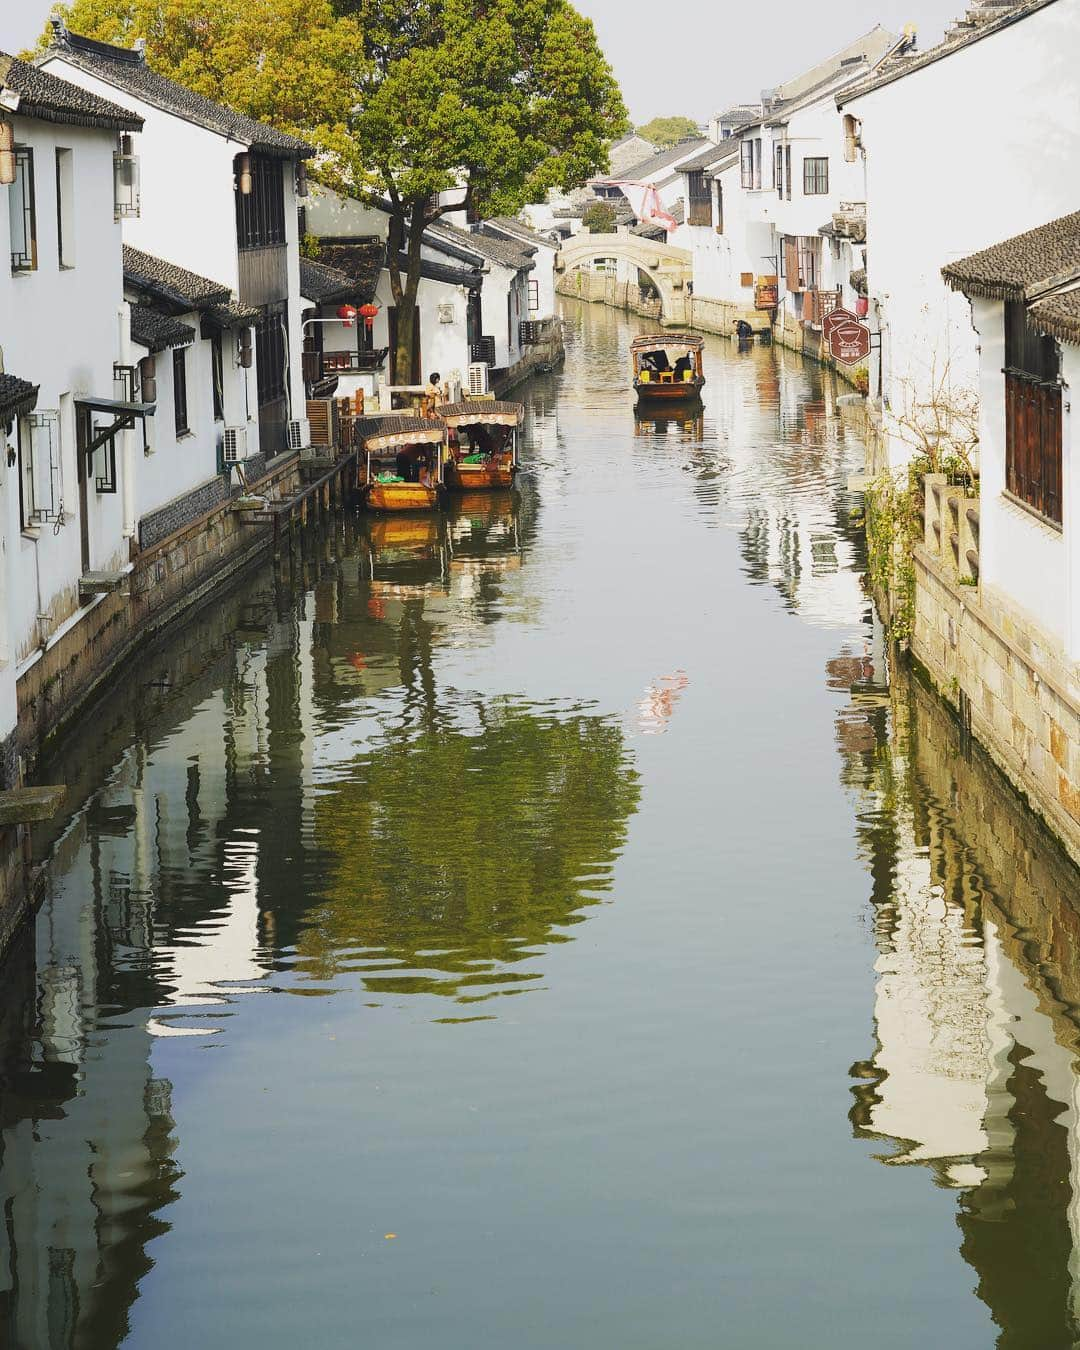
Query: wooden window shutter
[(791, 264)]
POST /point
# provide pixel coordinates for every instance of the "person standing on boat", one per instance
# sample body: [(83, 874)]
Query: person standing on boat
[(434, 394)]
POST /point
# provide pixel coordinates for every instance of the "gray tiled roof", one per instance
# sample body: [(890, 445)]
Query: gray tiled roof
[(957, 38), (51, 99), (657, 163), (232, 314), (323, 283), (16, 396), (505, 252), (361, 260), (711, 157), (156, 331), (166, 282), (126, 69), (1022, 267), (519, 230), (1058, 315)]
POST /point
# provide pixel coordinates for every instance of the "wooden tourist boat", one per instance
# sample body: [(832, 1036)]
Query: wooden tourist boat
[(483, 443), (403, 461), (666, 367)]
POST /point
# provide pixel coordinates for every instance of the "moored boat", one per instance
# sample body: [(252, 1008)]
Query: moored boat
[(666, 367), (403, 462), (483, 443)]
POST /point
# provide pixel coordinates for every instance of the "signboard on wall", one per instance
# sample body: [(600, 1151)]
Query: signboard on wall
[(766, 293), (847, 336)]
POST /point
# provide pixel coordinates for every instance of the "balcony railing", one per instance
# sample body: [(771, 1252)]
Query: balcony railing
[(483, 350), (320, 365)]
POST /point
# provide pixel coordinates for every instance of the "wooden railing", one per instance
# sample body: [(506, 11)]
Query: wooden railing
[(321, 365)]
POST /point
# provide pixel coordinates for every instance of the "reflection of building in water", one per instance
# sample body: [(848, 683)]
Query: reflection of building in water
[(978, 986), (152, 911)]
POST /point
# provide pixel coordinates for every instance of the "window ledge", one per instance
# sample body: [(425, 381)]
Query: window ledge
[(184, 436), (31, 532), (1051, 526)]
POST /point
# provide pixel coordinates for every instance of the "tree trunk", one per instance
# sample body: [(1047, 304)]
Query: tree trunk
[(405, 300)]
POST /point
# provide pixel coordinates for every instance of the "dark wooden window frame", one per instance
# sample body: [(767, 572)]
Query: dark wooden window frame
[(1033, 417), (698, 199), (24, 185), (260, 214), (778, 169), (787, 170), (271, 348), (719, 207), (180, 408), (746, 164), (815, 175)]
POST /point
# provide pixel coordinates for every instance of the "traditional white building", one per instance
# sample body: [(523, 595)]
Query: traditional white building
[(541, 281), (950, 138), (68, 484), (776, 209), (193, 341), (1025, 314), (219, 196)]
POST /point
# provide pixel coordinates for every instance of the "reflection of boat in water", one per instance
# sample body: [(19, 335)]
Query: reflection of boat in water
[(402, 462), (483, 443), (682, 419), (666, 367), (484, 530), (403, 550)]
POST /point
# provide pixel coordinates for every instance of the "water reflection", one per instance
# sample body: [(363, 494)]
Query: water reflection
[(974, 1071), (467, 844)]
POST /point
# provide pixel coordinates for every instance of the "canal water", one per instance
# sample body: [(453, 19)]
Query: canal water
[(547, 927)]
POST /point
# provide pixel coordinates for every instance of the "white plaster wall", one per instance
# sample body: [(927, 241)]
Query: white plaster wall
[(62, 329), (188, 213), (332, 216), (174, 467), (714, 255), (962, 154), (1020, 558)]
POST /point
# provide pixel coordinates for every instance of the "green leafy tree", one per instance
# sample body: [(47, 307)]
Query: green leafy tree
[(668, 131), (599, 218), (406, 99), (290, 62), (505, 100)]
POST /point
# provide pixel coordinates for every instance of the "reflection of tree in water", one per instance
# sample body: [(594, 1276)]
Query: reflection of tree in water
[(974, 1067), (466, 844)]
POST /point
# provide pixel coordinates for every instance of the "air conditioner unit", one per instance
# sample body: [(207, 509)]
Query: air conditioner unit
[(234, 445), (298, 434), (478, 378)]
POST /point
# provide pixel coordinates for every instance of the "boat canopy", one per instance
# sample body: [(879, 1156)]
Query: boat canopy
[(481, 414), (652, 342), (384, 433)]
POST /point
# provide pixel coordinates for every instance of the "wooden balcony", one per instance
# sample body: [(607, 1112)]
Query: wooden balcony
[(323, 365)]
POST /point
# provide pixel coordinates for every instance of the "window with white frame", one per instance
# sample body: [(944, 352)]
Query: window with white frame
[(22, 212), (40, 484)]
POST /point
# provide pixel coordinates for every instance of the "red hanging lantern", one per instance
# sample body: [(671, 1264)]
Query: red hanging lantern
[(862, 306), (347, 315), (368, 313)]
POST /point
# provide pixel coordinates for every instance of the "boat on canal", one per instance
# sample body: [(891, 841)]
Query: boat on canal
[(666, 367), (483, 443), (402, 462)]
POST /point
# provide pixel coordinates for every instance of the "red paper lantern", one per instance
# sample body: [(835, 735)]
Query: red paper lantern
[(368, 312), (862, 306), (347, 315)]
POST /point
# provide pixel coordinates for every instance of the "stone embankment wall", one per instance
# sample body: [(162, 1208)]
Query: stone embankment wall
[(1017, 693), (184, 562), (601, 289)]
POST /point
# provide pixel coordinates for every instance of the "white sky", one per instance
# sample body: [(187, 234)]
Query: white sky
[(684, 56)]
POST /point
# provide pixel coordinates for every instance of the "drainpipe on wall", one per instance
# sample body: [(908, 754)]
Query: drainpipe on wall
[(127, 443)]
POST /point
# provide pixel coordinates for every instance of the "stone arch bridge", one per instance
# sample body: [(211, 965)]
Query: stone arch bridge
[(669, 269)]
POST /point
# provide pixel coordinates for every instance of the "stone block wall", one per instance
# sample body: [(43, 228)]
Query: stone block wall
[(1014, 687), (600, 289), (165, 579)]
